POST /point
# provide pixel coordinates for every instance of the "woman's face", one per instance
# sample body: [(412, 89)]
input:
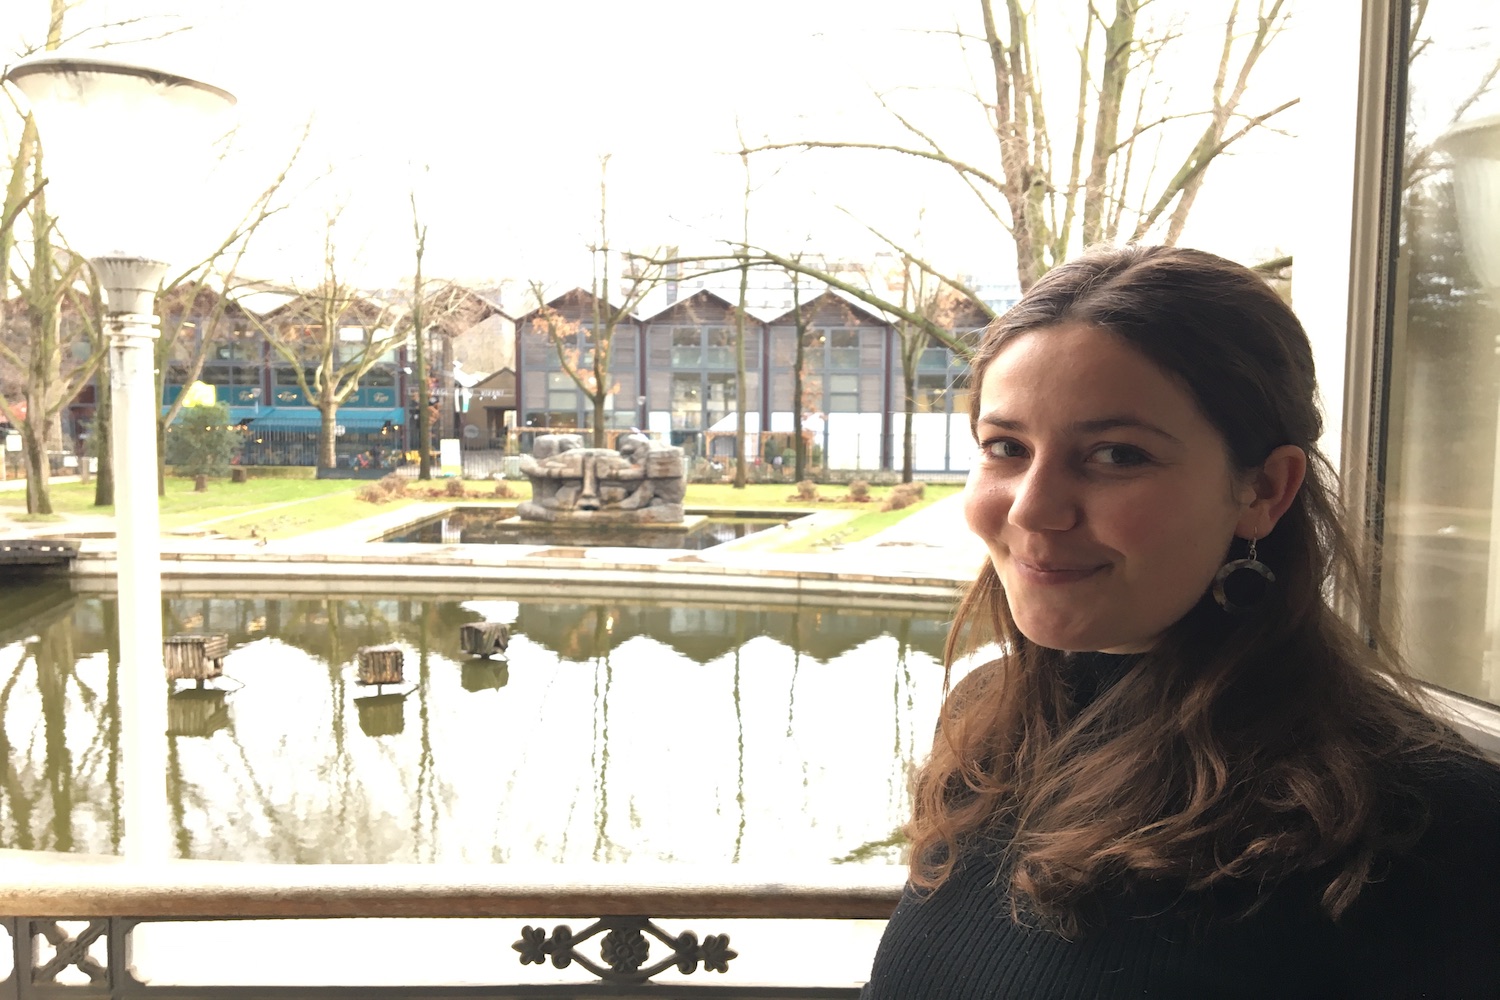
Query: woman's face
[(1107, 500)]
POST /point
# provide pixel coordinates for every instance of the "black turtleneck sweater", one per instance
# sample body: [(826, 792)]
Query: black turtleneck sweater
[(1429, 926)]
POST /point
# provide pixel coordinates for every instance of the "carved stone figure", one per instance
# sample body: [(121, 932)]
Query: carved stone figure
[(641, 481)]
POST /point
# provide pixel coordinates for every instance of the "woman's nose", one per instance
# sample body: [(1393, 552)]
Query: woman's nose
[(1045, 499)]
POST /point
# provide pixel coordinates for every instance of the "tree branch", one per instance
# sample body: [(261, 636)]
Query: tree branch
[(959, 165)]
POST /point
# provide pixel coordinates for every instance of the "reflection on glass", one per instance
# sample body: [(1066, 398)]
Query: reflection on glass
[(1442, 546), (612, 730)]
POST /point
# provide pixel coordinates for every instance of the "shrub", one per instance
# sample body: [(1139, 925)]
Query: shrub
[(202, 441), (372, 493), (704, 470), (454, 487), (806, 490), (503, 489), (859, 491), (904, 496), (393, 485)]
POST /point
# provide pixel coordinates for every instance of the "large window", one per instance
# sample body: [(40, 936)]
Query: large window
[(1441, 577), (707, 347), (940, 383), (563, 400), (704, 400)]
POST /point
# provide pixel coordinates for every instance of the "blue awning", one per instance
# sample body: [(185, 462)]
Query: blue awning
[(306, 418)]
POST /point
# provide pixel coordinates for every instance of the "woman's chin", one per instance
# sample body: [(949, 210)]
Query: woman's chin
[(1081, 637)]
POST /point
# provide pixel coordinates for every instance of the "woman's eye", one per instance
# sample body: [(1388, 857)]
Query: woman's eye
[(1121, 455), (1002, 448)]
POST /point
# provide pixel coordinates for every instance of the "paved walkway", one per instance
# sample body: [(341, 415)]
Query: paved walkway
[(19, 483)]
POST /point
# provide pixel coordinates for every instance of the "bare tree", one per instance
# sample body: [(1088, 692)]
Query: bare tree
[(331, 336), (419, 340), (1036, 188), (195, 315), (47, 327), (586, 350), (741, 471), (799, 375)]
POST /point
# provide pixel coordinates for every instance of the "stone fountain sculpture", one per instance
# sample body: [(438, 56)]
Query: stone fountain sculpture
[(641, 482)]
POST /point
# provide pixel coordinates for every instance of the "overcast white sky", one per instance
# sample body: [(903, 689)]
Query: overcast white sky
[(499, 111)]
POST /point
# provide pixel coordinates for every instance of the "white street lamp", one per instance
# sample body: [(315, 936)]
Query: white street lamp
[(1474, 148), (124, 149)]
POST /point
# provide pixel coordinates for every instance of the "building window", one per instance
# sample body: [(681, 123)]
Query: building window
[(1441, 544), (687, 401), (843, 394), (563, 399), (719, 397), (687, 347), (843, 348), (719, 349), (930, 393)]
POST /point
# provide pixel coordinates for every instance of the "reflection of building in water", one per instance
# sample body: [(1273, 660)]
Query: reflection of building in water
[(704, 633)]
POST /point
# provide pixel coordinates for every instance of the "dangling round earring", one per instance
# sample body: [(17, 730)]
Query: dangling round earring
[(1241, 585)]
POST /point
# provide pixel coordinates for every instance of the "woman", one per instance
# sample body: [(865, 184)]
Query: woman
[(1185, 776)]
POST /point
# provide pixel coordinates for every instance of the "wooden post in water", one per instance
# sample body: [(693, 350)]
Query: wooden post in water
[(194, 657), (484, 638), (380, 664)]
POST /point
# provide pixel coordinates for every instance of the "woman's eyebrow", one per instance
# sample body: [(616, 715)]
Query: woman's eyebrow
[(1094, 426)]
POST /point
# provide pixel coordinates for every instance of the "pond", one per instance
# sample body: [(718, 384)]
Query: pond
[(491, 526), (615, 729)]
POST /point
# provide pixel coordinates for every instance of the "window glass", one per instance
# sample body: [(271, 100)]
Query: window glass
[(934, 358), (378, 377), (843, 348), (719, 398), (929, 392), (687, 401), (1441, 543), (720, 350), (687, 347)]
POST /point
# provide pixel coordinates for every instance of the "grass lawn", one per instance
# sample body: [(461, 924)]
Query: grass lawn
[(298, 516), (283, 508), (784, 495), (862, 526), (275, 508), (181, 506)]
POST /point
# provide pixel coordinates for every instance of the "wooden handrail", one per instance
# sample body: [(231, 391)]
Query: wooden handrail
[(206, 890)]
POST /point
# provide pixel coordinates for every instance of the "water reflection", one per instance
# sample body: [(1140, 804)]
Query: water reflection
[(612, 731)]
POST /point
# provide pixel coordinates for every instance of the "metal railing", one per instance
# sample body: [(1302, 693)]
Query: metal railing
[(72, 926)]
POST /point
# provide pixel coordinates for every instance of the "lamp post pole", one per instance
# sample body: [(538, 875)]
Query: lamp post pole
[(103, 124), (130, 285)]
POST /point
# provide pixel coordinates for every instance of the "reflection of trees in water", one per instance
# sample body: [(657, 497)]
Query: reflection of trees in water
[(604, 675), (61, 795), (44, 784), (426, 796), (739, 786)]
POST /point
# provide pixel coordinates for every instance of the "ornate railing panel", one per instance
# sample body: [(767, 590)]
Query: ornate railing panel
[(71, 929)]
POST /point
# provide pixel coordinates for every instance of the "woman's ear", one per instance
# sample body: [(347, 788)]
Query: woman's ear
[(1270, 489)]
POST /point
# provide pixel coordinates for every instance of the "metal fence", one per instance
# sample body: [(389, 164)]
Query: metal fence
[(377, 449)]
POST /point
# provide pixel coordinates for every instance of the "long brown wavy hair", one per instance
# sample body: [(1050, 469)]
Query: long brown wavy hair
[(1240, 749)]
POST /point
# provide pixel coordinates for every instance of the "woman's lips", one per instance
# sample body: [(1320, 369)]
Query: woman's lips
[(1055, 573)]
